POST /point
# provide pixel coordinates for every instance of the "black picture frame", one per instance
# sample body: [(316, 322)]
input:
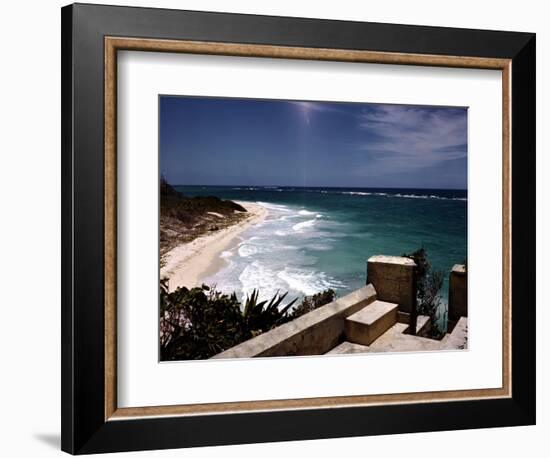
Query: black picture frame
[(84, 428)]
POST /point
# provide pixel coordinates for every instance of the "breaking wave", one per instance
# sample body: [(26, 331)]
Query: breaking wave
[(304, 225), (308, 282)]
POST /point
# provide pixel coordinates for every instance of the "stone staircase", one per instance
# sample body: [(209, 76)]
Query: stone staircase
[(377, 328), (369, 323), (374, 318)]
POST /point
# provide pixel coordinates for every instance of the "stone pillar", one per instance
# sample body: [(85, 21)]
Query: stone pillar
[(458, 293), (393, 277)]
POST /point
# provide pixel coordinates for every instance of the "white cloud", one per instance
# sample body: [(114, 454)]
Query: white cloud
[(402, 138)]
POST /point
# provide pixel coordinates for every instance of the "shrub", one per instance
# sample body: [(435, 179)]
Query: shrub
[(262, 316), (173, 204), (166, 189), (200, 322), (310, 303), (428, 286)]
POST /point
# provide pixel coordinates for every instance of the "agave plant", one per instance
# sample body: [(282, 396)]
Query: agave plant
[(263, 316)]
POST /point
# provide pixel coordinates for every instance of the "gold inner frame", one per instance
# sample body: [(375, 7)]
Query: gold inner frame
[(114, 44)]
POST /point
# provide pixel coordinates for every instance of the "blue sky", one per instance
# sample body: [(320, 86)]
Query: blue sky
[(226, 141)]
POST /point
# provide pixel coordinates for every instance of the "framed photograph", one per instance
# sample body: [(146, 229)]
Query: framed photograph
[(281, 228)]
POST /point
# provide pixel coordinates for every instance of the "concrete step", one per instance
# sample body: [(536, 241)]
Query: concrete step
[(403, 342), (348, 348), (423, 323), (458, 338), (369, 323), (391, 334)]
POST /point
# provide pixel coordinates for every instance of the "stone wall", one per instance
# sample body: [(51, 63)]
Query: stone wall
[(314, 333), (393, 277), (389, 278), (458, 294)]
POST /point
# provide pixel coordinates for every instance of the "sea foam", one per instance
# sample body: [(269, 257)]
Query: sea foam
[(304, 225), (276, 207), (307, 282)]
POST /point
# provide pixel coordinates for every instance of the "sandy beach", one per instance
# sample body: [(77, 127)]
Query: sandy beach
[(188, 263)]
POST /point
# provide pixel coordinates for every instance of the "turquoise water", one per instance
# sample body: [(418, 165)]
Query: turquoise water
[(318, 238)]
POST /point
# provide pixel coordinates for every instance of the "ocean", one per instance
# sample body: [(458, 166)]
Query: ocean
[(317, 238)]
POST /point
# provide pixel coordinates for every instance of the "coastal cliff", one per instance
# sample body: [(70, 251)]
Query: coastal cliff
[(194, 231), (183, 219)]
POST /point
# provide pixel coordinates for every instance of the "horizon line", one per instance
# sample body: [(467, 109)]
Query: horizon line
[(329, 187)]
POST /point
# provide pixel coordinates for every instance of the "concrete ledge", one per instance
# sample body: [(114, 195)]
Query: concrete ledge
[(458, 293), (394, 260), (314, 333), (393, 277), (458, 338)]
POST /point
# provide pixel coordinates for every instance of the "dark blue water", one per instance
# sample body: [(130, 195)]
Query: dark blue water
[(318, 238)]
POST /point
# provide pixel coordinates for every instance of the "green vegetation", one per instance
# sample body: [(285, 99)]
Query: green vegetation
[(183, 219), (262, 316), (186, 209), (310, 303), (428, 286), (201, 322)]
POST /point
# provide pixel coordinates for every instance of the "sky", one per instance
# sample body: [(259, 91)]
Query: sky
[(254, 142)]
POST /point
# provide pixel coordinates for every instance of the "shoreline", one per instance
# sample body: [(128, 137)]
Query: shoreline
[(187, 263)]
